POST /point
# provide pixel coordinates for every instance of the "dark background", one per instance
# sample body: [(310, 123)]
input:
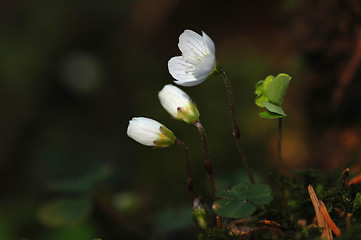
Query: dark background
[(73, 73)]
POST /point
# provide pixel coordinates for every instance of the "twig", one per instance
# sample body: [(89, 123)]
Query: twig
[(236, 132), (326, 234), (207, 161), (328, 219)]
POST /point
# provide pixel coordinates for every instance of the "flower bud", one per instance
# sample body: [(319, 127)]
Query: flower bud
[(199, 214), (149, 132), (178, 104)]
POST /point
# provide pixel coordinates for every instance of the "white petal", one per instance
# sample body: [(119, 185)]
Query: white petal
[(192, 45), (190, 83), (180, 69), (209, 42), (144, 130), (172, 98), (205, 68)]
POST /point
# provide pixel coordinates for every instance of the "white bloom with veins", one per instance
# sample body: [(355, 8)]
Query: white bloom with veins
[(198, 59), (178, 104), (149, 132)]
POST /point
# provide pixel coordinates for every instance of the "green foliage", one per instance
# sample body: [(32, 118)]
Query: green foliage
[(261, 90), (64, 212), (356, 210), (330, 187), (276, 90), (270, 115), (242, 200), (270, 94)]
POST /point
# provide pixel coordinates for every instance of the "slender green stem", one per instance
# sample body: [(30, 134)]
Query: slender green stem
[(188, 168), (280, 160), (236, 132), (207, 161)]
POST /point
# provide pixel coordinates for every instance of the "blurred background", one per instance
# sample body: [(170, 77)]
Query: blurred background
[(73, 73)]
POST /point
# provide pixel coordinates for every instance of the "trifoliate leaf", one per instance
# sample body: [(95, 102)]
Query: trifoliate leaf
[(276, 90), (270, 94), (240, 200)]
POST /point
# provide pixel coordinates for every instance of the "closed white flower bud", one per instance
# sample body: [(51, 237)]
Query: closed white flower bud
[(178, 104), (198, 59), (149, 132)]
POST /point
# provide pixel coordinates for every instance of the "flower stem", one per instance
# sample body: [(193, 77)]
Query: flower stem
[(207, 161), (236, 132), (280, 160), (188, 168)]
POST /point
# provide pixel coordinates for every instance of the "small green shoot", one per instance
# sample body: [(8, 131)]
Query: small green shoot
[(270, 94)]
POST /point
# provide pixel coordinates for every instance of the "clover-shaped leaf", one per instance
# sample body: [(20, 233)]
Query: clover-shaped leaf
[(270, 94), (241, 200), (277, 88)]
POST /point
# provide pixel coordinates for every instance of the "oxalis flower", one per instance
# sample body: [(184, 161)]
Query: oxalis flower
[(178, 104), (198, 59), (149, 132)]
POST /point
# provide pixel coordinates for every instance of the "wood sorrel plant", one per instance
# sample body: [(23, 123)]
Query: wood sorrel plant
[(285, 219), (270, 94), (193, 67)]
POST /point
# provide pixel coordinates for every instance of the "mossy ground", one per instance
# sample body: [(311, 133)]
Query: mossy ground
[(291, 214)]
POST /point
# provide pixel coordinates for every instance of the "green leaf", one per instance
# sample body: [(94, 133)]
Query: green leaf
[(260, 90), (270, 94), (274, 108), (270, 115), (356, 210), (64, 212), (241, 200), (276, 90)]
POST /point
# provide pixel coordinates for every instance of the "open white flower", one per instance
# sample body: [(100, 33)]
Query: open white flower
[(149, 132), (198, 59), (178, 104)]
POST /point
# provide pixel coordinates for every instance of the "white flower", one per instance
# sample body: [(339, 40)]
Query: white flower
[(198, 59), (149, 132), (178, 104)]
